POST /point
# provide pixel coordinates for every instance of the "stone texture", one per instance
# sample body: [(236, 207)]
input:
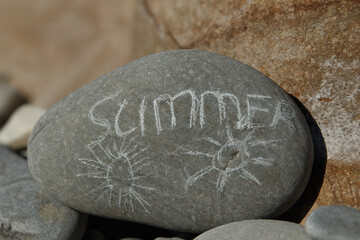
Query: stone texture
[(310, 48), (10, 99), (255, 230), (15, 133), (334, 223), (26, 212), (212, 139), (51, 48)]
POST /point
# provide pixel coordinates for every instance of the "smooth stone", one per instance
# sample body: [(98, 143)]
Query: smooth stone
[(28, 213), (15, 133), (211, 139), (255, 230), (10, 99), (334, 223)]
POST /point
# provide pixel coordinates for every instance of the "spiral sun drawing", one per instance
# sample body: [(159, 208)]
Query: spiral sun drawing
[(117, 170), (231, 157)]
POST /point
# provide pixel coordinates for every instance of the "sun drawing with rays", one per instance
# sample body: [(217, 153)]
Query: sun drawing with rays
[(117, 170), (231, 157)]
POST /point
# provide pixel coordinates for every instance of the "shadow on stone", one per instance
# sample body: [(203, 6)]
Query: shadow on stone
[(117, 229), (299, 210), (10, 98)]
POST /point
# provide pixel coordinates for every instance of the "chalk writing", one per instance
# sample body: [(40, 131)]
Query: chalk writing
[(142, 109), (222, 107), (266, 111), (285, 113), (116, 168), (231, 157), (251, 109), (170, 100)]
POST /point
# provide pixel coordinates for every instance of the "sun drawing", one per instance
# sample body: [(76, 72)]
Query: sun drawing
[(117, 170), (230, 158)]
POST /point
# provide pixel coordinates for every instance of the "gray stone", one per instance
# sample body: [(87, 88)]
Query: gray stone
[(26, 212), (184, 140), (334, 223), (255, 230)]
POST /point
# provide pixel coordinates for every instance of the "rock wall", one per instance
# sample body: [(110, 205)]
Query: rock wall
[(310, 48)]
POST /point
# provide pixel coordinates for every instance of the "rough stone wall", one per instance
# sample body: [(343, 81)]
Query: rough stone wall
[(311, 48)]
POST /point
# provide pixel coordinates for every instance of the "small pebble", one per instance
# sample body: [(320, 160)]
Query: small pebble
[(334, 223), (15, 133), (255, 230)]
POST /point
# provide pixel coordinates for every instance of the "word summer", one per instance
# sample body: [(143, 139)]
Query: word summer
[(253, 111)]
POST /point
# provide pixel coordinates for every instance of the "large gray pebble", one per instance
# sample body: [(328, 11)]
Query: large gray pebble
[(26, 212), (184, 140), (334, 223), (256, 230)]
